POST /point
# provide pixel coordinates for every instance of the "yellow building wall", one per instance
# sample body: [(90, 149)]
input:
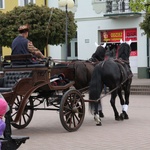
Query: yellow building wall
[(9, 5)]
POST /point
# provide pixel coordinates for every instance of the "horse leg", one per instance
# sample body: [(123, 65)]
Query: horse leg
[(100, 109), (122, 115), (124, 104), (96, 116), (125, 107), (112, 102)]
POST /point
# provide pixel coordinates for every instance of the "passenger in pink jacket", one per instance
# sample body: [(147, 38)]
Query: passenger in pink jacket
[(3, 110)]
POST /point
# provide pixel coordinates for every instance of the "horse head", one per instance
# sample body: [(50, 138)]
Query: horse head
[(124, 50), (100, 52)]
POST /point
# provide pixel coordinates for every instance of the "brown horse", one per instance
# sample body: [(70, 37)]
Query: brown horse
[(80, 70)]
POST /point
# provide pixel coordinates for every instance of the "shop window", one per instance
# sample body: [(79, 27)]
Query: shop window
[(133, 49), (1, 4)]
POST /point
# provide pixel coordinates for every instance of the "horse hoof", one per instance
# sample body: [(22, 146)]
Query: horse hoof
[(126, 117), (99, 124), (122, 116), (117, 118), (97, 119)]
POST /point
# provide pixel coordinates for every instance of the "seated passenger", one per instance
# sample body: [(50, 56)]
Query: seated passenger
[(21, 45)]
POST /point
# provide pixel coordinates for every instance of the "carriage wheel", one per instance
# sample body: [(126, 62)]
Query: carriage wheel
[(72, 110), (27, 115)]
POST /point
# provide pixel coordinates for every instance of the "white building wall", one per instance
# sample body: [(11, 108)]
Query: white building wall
[(89, 23), (88, 29), (87, 36)]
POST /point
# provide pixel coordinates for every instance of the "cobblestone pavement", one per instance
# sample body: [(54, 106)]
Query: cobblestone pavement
[(47, 133)]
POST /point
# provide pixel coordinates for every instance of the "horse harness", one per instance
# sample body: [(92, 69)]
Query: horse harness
[(124, 67)]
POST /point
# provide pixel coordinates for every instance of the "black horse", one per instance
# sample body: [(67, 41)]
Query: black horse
[(115, 74)]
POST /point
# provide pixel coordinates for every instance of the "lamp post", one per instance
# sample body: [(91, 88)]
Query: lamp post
[(67, 4)]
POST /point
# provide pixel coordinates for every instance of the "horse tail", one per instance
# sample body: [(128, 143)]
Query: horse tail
[(95, 88)]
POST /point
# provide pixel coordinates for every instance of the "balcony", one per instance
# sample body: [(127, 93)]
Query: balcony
[(119, 8)]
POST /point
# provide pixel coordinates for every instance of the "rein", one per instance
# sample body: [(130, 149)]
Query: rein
[(99, 99), (121, 62)]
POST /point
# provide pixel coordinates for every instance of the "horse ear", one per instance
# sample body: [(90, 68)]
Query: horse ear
[(96, 44), (104, 45), (129, 42), (121, 41)]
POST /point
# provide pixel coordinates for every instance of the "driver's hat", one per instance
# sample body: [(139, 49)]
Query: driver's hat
[(23, 28)]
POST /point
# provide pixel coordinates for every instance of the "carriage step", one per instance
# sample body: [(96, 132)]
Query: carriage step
[(14, 143), (140, 90)]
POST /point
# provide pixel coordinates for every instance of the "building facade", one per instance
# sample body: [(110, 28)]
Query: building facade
[(94, 19), (114, 17)]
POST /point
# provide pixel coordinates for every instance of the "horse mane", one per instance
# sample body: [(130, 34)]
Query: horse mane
[(124, 51), (99, 53)]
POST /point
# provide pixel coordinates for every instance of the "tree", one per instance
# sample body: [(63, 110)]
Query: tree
[(142, 5), (47, 25), (137, 5)]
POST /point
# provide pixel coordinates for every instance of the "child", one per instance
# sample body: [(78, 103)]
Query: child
[(3, 110)]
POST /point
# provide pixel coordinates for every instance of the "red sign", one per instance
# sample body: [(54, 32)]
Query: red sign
[(131, 34), (112, 36), (133, 53)]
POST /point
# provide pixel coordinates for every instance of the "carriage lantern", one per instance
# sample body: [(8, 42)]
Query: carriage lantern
[(67, 4)]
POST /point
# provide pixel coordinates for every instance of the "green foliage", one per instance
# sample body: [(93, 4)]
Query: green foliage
[(142, 5), (145, 25), (137, 5), (45, 27)]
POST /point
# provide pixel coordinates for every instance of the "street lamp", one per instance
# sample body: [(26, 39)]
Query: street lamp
[(67, 4)]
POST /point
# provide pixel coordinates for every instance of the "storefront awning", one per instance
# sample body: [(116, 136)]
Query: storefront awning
[(123, 14)]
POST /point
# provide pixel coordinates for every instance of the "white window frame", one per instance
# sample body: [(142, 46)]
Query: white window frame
[(21, 2), (3, 4)]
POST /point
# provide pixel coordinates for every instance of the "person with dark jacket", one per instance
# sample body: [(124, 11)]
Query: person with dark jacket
[(21, 45)]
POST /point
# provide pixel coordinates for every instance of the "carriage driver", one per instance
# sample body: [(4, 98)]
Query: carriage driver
[(21, 45)]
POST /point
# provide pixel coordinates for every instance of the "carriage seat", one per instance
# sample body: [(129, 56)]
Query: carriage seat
[(11, 78), (21, 61)]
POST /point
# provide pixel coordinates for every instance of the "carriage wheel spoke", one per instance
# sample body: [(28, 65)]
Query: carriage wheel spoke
[(14, 114), (24, 118)]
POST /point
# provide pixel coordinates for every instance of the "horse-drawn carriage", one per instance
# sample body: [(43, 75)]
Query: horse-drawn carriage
[(27, 86), (41, 86)]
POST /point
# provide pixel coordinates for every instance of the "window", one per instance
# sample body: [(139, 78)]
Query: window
[(1, 4), (26, 2)]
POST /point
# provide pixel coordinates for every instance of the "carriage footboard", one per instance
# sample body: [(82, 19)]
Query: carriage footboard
[(11, 142)]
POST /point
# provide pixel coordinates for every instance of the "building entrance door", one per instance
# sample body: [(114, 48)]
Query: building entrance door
[(73, 49)]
